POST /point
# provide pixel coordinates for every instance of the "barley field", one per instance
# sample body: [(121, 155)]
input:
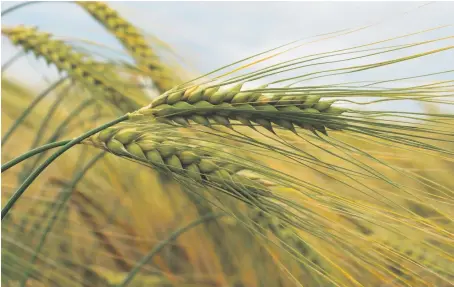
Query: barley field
[(288, 144)]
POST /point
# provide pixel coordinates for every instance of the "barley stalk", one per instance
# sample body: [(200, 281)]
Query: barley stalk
[(143, 54), (77, 65), (164, 79), (214, 105), (168, 157), (198, 165), (207, 105), (134, 42), (39, 42)]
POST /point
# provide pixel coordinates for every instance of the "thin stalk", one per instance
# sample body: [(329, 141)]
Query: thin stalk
[(58, 132), (32, 105), (15, 7), (11, 61), (31, 153), (47, 119), (53, 157), (163, 243), (36, 227)]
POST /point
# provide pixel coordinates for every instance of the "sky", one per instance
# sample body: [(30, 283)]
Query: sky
[(207, 35)]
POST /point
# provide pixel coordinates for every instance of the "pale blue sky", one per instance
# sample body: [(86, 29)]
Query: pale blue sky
[(211, 34)]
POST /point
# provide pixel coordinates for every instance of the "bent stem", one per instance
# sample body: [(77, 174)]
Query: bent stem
[(15, 7), (58, 132), (45, 164), (163, 243), (32, 152)]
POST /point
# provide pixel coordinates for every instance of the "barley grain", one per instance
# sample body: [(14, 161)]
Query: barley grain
[(134, 42), (206, 106), (177, 159), (77, 65)]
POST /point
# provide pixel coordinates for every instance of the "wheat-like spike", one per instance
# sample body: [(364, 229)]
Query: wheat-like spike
[(202, 166), (214, 105), (134, 42), (169, 157), (77, 65)]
